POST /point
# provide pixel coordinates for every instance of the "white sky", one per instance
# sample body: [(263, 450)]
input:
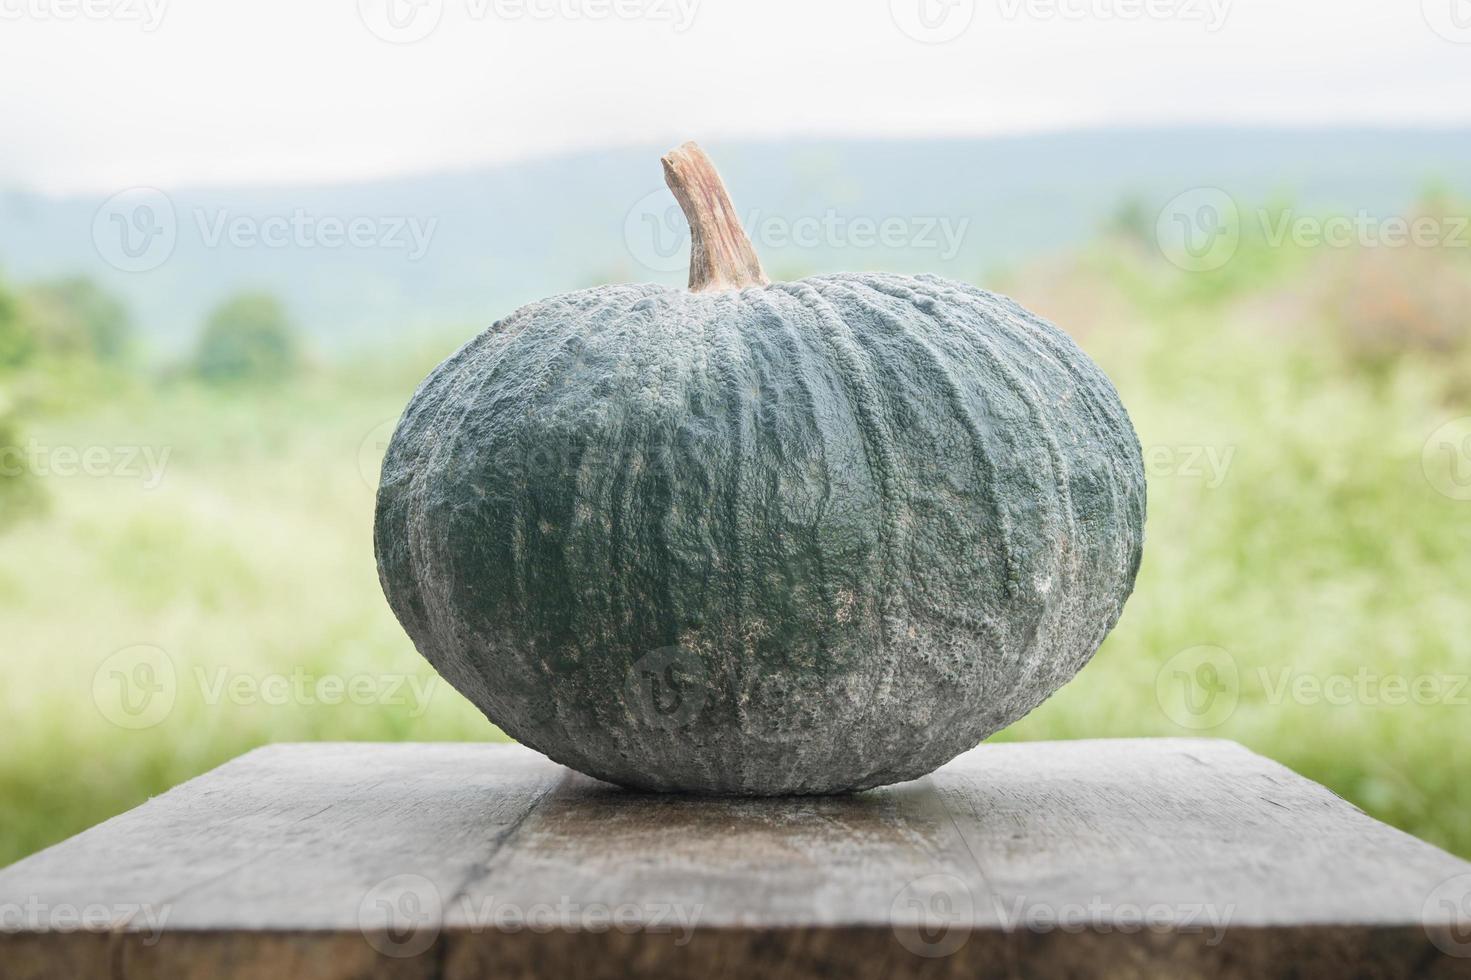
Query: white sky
[(267, 91)]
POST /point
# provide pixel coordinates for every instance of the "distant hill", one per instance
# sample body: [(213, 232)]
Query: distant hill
[(493, 238)]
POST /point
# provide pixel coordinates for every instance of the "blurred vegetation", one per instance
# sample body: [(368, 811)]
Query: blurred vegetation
[(75, 318), (1286, 402), (248, 338)]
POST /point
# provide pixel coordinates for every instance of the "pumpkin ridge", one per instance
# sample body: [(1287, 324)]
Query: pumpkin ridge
[(991, 481), (730, 358), (584, 321), (1065, 352), (807, 346), (945, 371), (1064, 560), (857, 378), (1110, 423), (1032, 399), (419, 547)]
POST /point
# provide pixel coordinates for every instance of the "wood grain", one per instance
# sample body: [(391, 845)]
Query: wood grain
[(1180, 858)]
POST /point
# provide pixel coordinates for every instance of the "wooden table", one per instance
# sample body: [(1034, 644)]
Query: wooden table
[(1140, 858)]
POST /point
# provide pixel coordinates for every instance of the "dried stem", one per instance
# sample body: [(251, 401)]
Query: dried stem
[(721, 256)]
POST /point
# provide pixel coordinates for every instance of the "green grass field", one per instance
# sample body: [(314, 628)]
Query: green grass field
[(1304, 589)]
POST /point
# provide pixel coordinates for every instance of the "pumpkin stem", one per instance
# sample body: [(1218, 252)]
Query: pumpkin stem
[(721, 256)]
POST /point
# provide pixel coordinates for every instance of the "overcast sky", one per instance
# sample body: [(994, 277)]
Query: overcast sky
[(102, 94)]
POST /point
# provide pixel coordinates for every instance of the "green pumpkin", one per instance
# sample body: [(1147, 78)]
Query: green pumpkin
[(754, 538)]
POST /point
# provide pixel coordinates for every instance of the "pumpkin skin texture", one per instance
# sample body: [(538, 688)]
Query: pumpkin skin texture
[(807, 537)]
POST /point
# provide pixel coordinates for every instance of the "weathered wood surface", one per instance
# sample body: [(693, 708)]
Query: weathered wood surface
[(1139, 858)]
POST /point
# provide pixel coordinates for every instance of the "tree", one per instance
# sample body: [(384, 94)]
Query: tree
[(247, 338), (20, 494), (75, 316), (1132, 222), (17, 339)]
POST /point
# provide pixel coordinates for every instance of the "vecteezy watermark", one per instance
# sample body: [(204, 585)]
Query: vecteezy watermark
[(147, 14), (1363, 686), (1099, 915), (657, 235), (1211, 13), (1451, 19), (1200, 230), (1363, 229), (301, 228), (401, 21), (1447, 916), (138, 229), (138, 687), (667, 687), (566, 915), (932, 916), (143, 463), (402, 916), (135, 687), (1199, 688), (34, 915), (1208, 464), (302, 687), (932, 21), (407, 21), (372, 450), (1446, 459)]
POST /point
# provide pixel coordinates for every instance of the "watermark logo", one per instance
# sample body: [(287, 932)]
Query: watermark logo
[(1198, 688), (1100, 916), (1211, 13), (1199, 230), (401, 916), (1363, 229), (407, 21), (401, 21), (1446, 459), (547, 458), (1451, 19), (667, 687), (1363, 687), (34, 915), (372, 450), (658, 237), (1208, 464), (135, 230), (147, 14), (1447, 916), (680, 14), (135, 687), (139, 686), (146, 464), (932, 21), (302, 687), (650, 918), (656, 233), (304, 229), (932, 916)]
